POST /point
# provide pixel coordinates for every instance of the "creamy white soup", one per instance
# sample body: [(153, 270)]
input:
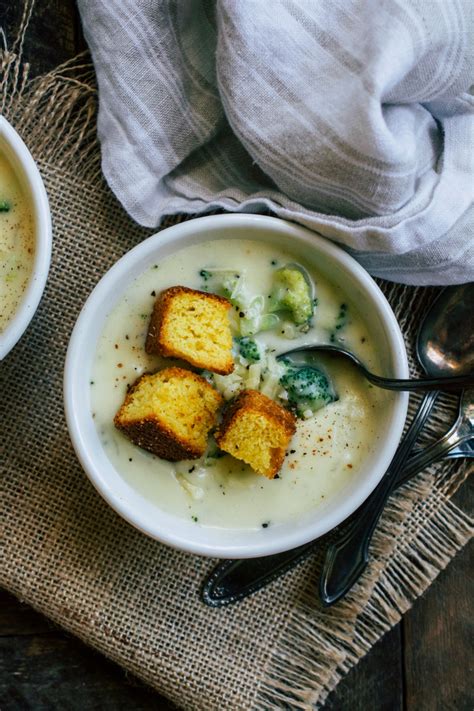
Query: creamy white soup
[(17, 245), (330, 445)]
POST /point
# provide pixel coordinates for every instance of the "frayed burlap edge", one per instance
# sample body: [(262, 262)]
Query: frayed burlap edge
[(409, 552), (421, 529)]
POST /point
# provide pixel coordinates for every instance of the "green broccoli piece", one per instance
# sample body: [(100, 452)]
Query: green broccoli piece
[(248, 349), (308, 389), (5, 206), (291, 292)]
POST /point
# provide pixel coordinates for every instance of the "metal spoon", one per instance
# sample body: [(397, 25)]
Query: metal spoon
[(233, 580), (444, 346), (308, 356)]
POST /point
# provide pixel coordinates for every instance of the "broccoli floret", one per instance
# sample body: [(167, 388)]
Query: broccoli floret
[(248, 349), (291, 292), (308, 389), (5, 206)]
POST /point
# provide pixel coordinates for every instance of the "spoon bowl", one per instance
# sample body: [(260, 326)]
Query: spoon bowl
[(445, 344)]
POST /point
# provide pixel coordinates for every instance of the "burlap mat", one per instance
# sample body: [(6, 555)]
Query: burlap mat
[(69, 555)]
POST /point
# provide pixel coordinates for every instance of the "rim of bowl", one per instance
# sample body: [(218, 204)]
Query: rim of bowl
[(24, 164), (166, 527)]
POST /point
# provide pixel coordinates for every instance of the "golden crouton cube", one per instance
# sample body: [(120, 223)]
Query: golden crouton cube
[(194, 326), (170, 413), (257, 430)]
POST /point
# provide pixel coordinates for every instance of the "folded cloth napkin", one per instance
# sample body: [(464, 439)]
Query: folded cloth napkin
[(352, 117)]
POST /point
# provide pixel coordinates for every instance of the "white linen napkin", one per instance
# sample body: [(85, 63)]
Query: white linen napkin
[(351, 117)]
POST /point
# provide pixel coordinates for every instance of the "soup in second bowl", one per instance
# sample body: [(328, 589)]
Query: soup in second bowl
[(17, 242)]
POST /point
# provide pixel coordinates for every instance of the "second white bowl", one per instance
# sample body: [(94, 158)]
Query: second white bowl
[(24, 167)]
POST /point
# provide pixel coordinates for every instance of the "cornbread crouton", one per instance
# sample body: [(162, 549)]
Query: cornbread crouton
[(192, 325), (169, 413), (258, 431)]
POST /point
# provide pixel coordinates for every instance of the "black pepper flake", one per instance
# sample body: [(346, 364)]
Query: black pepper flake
[(153, 293), (292, 451), (191, 470), (265, 524), (130, 459), (241, 314)]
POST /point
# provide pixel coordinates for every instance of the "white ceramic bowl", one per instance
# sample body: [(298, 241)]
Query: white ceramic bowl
[(184, 534), (28, 175)]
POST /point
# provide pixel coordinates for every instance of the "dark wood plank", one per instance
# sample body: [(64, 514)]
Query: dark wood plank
[(376, 682), (53, 35), (52, 670), (438, 635), (18, 619)]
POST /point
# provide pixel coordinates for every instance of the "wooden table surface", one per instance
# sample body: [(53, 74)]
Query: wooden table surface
[(424, 663)]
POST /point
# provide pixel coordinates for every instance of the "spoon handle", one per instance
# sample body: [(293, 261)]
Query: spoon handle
[(447, 384), (455, 449), (347, 556), (440, 449)]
